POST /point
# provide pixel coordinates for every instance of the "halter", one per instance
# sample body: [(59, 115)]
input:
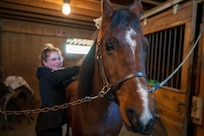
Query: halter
[(107, 87)]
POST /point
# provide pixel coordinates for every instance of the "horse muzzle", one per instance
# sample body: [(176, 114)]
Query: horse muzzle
[(137, 125)]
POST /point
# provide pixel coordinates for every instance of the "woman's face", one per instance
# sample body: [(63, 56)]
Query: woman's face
[(54, 61)]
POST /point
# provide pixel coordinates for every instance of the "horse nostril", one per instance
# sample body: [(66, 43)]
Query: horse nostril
[(129, 111), (132, 116)]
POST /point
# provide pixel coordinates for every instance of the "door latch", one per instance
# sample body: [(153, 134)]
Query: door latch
[(197, 109)]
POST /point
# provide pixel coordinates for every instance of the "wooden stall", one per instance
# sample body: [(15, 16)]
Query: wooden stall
[(171, 34), (21, 43), (199, 127)]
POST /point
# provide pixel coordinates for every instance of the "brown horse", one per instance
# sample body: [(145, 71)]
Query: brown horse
[(113, 68)]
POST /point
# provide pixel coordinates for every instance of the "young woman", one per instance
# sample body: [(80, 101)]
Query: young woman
[(52, 78)]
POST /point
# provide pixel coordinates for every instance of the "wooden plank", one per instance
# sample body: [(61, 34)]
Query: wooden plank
[(25, 40), (200, 68), (25, 27), (91, 8), (173, 128), (188, 43), (51, 23), (86, 15), (19, 11), (170, 104), (87, 4), (47, 19), (160, 8), (173, 115), (201, 46), (169, 12), (167, 19), (199, 129), (171, 95), (176, 120), (28, 15)]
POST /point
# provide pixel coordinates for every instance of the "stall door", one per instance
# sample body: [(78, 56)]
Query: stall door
[(171, 34)]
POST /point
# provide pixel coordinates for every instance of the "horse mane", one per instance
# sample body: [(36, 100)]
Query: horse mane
[(86, 73), (124, 17)]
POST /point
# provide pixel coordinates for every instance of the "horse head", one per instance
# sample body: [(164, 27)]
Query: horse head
[(121, 53)]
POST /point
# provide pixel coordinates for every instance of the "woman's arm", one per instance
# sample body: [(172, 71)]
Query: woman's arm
[(64, 74)]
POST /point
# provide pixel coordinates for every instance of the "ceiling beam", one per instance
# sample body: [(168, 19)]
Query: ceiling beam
[(36, 14), (77, 7), (152, 2)]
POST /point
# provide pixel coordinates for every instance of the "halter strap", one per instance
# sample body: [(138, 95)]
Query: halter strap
[(106, 85), (136, 74)]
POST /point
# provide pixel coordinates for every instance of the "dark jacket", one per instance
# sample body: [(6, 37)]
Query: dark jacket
[(52, 92)]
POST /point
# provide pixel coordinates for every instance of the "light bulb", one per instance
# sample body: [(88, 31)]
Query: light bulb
[(66, 9)]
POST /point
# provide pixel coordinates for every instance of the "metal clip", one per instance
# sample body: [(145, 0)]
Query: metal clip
[(101, 94), (197, 109), (175, 9)]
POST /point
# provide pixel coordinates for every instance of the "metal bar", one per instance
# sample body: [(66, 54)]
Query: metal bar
[(179, 56), (155, 57), (173, 66), (160, 57), (148, 59), (150, 69), (164, 56), (152, 55), (169, 54)]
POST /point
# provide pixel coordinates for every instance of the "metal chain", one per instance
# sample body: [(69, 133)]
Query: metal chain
[(47, 109)]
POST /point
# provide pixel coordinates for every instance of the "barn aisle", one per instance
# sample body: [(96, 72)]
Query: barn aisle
[(22, 127)]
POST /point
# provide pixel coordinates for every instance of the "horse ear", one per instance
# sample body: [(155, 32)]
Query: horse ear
[(107, 9), (137, 8)]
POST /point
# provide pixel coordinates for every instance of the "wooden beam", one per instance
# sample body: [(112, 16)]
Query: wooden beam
[(22, 12), (160, 8), (40, 13), (82, 7), (151, 2), (86, 4)]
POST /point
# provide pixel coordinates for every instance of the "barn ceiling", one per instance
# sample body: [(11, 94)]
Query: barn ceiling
[(49, 11)]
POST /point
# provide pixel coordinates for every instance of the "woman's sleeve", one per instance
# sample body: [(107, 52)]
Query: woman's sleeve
[(67, 73)]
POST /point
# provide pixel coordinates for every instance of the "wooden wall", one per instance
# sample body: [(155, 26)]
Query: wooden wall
[(21, 43), (199, 128), (174, 104)]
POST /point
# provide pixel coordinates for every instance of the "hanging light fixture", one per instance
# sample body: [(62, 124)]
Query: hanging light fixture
[(66, 7)]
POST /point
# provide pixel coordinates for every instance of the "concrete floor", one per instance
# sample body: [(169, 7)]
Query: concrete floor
[(22, 127)]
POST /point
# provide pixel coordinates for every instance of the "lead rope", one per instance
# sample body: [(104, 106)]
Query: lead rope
[(158, 85)]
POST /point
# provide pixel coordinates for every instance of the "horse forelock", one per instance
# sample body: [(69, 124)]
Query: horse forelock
[(86, 73), (124, 17)]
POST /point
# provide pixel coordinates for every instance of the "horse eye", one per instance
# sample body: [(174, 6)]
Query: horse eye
[(111, 44), (109, 47)]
